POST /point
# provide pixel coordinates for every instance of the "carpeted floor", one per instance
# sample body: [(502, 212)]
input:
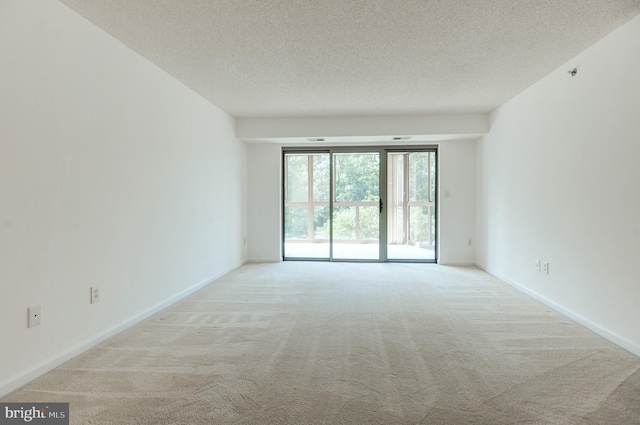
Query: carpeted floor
[(339, 343)]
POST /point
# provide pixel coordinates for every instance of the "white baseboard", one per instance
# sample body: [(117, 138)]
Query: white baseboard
[(265, 260), (481, 266), (456, 263), (594, 327), (28, 375)]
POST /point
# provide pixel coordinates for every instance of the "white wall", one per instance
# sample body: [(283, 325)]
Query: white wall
[(111, 173), (264, 168), (559, 180), (457, 206), (456, 125), (457, 213)]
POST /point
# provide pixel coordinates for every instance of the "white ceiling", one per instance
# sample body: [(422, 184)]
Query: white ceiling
[(303, 58)]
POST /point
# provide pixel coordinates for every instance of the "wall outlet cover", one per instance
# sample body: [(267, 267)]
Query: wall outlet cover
[(35, 315), (95, 294)]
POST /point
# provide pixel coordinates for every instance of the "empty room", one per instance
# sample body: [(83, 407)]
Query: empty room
[(319, 212)]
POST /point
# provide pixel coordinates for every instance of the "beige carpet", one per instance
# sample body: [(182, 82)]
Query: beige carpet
[(337, 343)]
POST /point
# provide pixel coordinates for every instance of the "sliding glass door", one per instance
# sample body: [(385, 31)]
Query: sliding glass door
[(411, 206), (360, 204), (356, 206), (306, 205)]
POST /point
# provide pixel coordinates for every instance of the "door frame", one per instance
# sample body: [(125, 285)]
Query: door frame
[(382, 150), (436, 212)]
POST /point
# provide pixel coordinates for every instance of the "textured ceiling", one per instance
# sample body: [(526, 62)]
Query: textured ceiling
[(288, 58)]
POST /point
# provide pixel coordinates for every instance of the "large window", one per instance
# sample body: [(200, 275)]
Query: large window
[(306, 205), (411, 213), (365, 204)]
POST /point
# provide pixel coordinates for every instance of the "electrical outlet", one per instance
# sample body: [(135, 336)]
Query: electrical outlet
[(537, 263), (545, 267), (95, 294), (470, 242), (35, 315)]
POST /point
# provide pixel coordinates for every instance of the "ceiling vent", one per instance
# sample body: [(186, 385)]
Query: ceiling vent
[(402, 138), (315, 139)]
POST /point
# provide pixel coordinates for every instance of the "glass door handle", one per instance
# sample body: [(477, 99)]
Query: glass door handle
[(381, 205)]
